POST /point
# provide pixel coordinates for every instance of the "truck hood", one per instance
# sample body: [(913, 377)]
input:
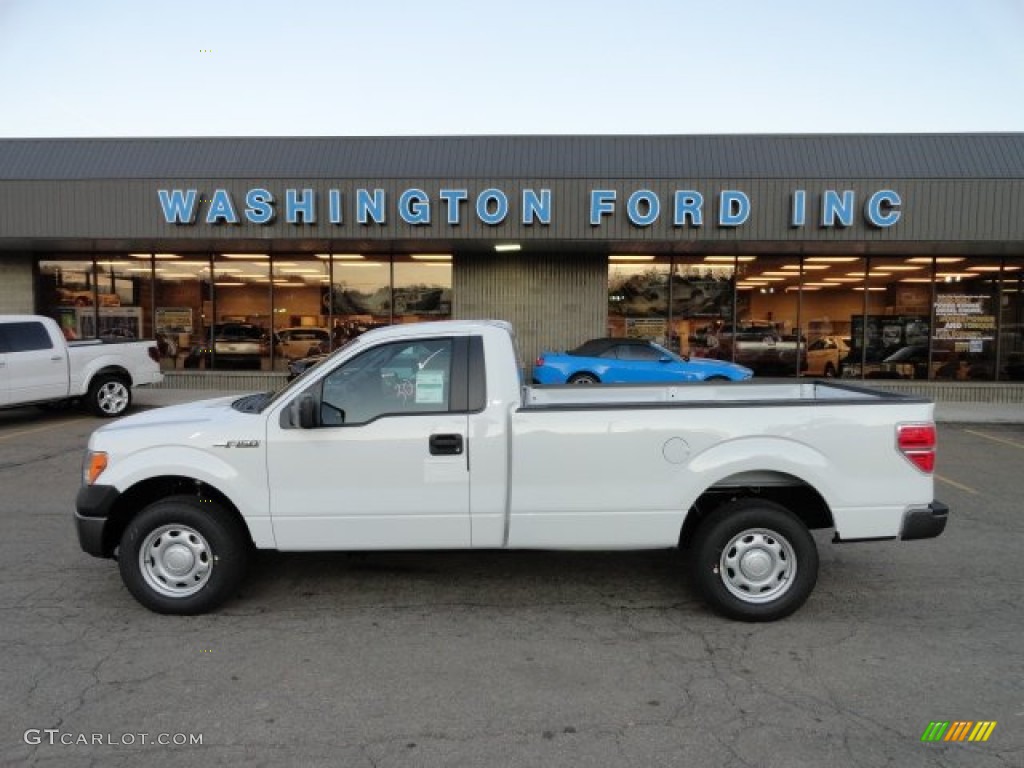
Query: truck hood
[(185, 423)]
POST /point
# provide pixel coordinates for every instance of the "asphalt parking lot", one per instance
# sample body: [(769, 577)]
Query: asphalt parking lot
[(506, 659)]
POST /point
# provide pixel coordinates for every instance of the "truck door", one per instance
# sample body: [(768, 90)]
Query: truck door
[(386, 465), (36, 368)]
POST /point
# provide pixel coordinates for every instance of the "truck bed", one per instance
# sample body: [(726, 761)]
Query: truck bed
[(705, 395)]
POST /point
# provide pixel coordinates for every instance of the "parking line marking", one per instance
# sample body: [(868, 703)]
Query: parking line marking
[(1003, 440), (9, 435), (955, 484)]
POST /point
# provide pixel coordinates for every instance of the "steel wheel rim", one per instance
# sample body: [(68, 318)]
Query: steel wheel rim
[(758, 566), (175, 560), (112, 397)]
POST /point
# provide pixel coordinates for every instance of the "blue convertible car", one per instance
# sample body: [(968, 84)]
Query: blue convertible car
[(625, 361)]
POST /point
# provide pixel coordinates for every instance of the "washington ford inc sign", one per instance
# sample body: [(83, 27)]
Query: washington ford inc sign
[(492, 206)]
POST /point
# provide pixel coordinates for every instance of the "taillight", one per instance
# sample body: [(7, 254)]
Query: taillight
[(917, 443), (154, 353), (540, 361)]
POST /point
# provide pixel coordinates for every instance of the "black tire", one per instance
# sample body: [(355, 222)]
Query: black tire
[(780, 552), (830, 371), (584, 379), (205, 551), (108, 396), (717, 378)]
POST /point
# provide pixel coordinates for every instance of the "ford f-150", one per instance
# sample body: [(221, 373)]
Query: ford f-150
[(422, 436), (37, 366)]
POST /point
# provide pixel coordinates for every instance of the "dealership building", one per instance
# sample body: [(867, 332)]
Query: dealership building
[(892, 257)]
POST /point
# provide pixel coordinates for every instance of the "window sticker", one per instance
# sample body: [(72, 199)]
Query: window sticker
[(430, 388)]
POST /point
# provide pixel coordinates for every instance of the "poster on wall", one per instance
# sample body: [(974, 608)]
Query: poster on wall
[(113, 323), (888, 333), (654, 330), (174, 319), (966, 319), (646, 294)]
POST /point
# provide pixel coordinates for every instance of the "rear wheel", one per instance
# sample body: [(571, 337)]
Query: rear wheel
[(717, 378), (183, 555), (584, 378), (754, 560), (108, 396), (830, 371)]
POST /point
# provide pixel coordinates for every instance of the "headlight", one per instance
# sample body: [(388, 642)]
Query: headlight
[(92, 466)]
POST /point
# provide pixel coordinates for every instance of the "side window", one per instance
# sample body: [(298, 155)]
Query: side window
[(403, 378), (26, 337), (637, 352)]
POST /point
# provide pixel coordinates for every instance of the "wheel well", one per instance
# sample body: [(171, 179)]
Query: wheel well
[(138, 497), (119, 373), (584, 373), (791, 492)]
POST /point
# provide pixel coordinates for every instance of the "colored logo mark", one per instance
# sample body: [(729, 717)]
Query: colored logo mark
[(958, 730)]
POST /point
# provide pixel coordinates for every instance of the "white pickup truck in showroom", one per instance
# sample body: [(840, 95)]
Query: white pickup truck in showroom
[(39, 367), (423, 436)]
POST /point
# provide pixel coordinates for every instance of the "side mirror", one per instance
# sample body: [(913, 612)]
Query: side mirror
[(302, 411)]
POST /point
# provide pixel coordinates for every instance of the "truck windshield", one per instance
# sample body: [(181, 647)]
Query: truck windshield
[(300, 381)]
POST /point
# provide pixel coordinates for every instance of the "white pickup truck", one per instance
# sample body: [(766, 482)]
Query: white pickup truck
[(37, 366), (423, 437)]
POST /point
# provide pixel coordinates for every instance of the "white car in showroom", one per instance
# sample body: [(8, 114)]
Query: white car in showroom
[(293, 343)]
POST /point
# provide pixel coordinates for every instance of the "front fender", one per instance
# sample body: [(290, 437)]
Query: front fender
[(238, 473)]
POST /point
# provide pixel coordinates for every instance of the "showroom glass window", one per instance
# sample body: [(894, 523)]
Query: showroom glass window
[(1011, 316), (358, 297), (96, 297), (422, 287), (638, 287)]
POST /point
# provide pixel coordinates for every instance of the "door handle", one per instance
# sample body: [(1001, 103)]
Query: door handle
[(445, 445), (57, 359)]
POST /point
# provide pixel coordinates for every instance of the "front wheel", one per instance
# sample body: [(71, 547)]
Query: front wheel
[(109, 396), (584, 379), (183, 555), (754, 560)]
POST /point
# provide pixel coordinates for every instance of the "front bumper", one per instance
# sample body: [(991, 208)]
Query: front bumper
[(93, 506), (926, 523)]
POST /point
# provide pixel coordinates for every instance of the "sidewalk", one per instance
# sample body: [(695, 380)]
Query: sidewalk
[(946, 413)]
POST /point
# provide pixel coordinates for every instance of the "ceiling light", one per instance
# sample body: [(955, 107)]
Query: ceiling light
[(340, 256), (729, 259), (628, 257), (254, 256), (984, 269), (842, 279), (870, 274), (938, 260), (873, 288), (226, 283), (899, 267), (832, 259), (431, 257), (156, 255), (508, 247)]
